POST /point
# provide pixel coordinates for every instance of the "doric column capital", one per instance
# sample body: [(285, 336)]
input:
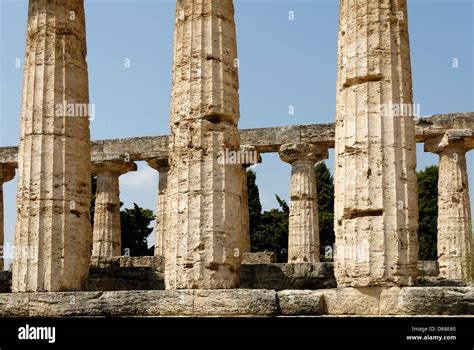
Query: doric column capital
[(295, 152), (7, 172), (160, 164), (113, 167), (457, 140)]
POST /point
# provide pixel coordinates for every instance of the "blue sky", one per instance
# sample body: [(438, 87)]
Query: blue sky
[(283, 63)]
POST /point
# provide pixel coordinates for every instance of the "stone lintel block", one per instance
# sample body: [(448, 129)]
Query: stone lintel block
[(379, 301), (141, 303), (301, 302), (427, 301), (240, 302)]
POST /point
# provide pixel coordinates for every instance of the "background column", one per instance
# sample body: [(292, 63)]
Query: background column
[(162, 166), (303, 239), (454, 210), (107, 236)]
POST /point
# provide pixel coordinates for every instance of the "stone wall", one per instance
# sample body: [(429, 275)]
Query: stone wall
[(288, 276), (259, 258), (127, 273)]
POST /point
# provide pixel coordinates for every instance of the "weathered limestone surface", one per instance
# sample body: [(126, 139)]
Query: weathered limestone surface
[(454, 209), (125, 278), (162, 166), (54, 158), (7, 173), (259, 258), (427, 301), (303, 237), (287, 276), (301, 302), (379, 301), (342, 301), (428, 268), (375, 183), (154, 262), (107, 238), (204, 235), (141, 303)]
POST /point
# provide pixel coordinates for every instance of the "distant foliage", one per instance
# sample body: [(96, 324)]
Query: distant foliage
[(271, 233), (428, 212), (255, 207), (136, 228), (325, 187), (269, 230)]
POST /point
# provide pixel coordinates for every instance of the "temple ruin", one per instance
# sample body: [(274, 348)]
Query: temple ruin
[(202, 263)]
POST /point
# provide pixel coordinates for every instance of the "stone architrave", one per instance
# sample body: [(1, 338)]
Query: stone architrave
[(162, 166), (454, 207), (376, 209), (204, 239), (303, 238), (53, 230), (107, 235)]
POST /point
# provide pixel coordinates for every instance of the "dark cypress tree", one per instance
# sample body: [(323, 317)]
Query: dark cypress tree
[(255, 207), (428, 212), (136, 228), (325, 187)]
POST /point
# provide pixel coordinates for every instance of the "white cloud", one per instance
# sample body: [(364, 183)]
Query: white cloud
[(144, 177)]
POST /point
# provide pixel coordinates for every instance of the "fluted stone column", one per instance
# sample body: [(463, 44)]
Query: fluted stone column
[(7, 173), (454, 210), (204, 220), (376, 216), (107, 235), (162, 166), (303, 238), (54, 188)]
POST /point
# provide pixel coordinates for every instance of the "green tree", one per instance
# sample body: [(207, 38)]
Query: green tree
[(271, 233), (255, 207), (325, 187), (428, 212), (135, 224)]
